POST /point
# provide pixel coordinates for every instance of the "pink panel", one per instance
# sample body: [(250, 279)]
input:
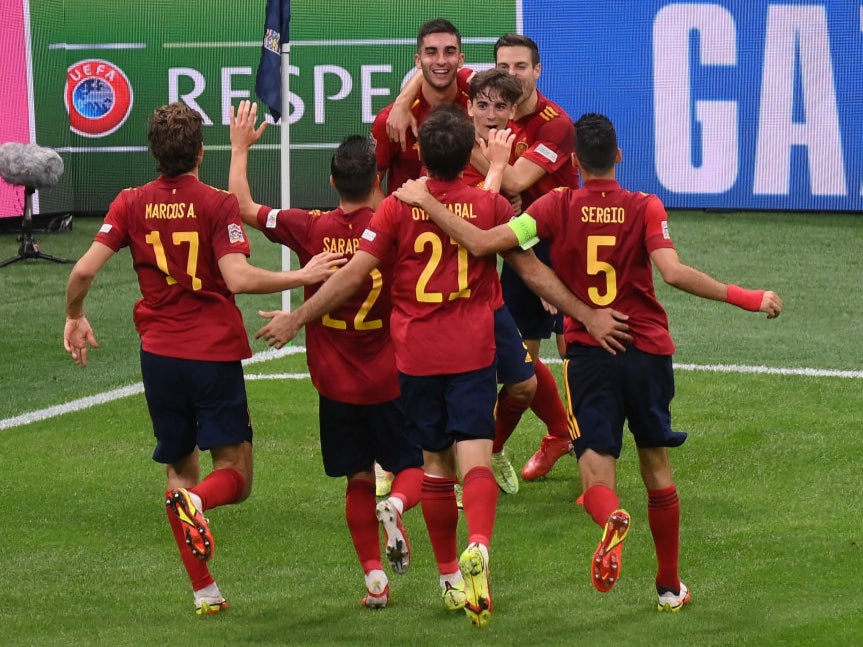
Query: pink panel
[(14, 126)]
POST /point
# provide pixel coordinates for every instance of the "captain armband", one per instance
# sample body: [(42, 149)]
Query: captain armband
[(524, 228)]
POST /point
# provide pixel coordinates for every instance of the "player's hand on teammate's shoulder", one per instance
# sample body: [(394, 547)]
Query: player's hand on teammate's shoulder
[(398, 121), (243, 131), (771, 304), (321, 267), (413, 192), (281, 329)]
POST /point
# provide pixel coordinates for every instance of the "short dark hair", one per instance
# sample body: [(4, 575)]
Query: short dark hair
[(175, 138), (504, 85), (446, 139), (518, 40), (354, 168), (437, 26), (595, 142)]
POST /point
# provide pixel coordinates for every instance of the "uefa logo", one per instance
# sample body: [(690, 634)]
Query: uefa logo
[(98, 97)]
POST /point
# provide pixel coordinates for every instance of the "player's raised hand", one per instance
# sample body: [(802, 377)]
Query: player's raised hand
[(77, 335), (321, 267), (498, 147), (244, 134), (281, 329)]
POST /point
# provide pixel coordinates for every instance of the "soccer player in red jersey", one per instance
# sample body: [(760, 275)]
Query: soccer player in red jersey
[(542, 152), (605, 241), (442, 327), (541, 162), (349, 352), (493, 95), (190, 252), (441, 81)]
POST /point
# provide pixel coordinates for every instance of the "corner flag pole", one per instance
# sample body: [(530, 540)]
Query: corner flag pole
[(285, 160)]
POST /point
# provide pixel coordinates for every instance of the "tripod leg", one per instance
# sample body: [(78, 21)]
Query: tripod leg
[(48, 257), (9, 261)]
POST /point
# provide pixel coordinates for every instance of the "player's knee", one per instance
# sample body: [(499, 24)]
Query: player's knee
[(523, 391)]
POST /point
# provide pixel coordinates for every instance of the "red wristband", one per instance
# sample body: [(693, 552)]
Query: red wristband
[(743, 298)]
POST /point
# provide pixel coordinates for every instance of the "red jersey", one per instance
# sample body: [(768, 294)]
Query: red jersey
[(546, 137), (402, 166), (177, 230), (472, 177), (443, 298), (601, 238), (349, 351)]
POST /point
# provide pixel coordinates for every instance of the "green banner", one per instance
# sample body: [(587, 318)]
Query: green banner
[(100, 67)]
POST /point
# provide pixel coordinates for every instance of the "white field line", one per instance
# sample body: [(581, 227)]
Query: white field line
[(763, 370), (135, 389)]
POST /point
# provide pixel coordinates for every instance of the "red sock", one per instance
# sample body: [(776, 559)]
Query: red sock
[(360, 504), (407, 486), (196, 569), (547, 404), (663, 513), (507, 413), (599, 502), (440, 512), (480, 504), (220, 487)]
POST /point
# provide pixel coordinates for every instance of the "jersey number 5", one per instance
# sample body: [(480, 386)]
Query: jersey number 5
[(597, 267), (189, 238)]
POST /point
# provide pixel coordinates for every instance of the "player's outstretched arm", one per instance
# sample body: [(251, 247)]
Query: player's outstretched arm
[(284, 326), (687, 278), (606, 325), (77, 333), (479, 242), (244, 135), (242, 277)]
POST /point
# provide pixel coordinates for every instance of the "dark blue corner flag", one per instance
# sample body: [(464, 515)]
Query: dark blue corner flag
[(268, 83)]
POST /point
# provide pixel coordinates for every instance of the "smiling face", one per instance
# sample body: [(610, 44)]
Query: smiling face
[(439, 58), (489, 110), (518, 61)]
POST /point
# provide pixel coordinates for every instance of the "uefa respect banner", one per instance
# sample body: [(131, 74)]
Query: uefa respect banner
[(734, 105), (101, 67)]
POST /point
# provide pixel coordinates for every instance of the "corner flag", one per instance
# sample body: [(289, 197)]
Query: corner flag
[(268, 83)]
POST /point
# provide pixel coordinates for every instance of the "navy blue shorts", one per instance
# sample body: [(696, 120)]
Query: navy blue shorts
[(513, 361), (558, 324), (603, 391), (443, 409), (193, 402), (354, 436)]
